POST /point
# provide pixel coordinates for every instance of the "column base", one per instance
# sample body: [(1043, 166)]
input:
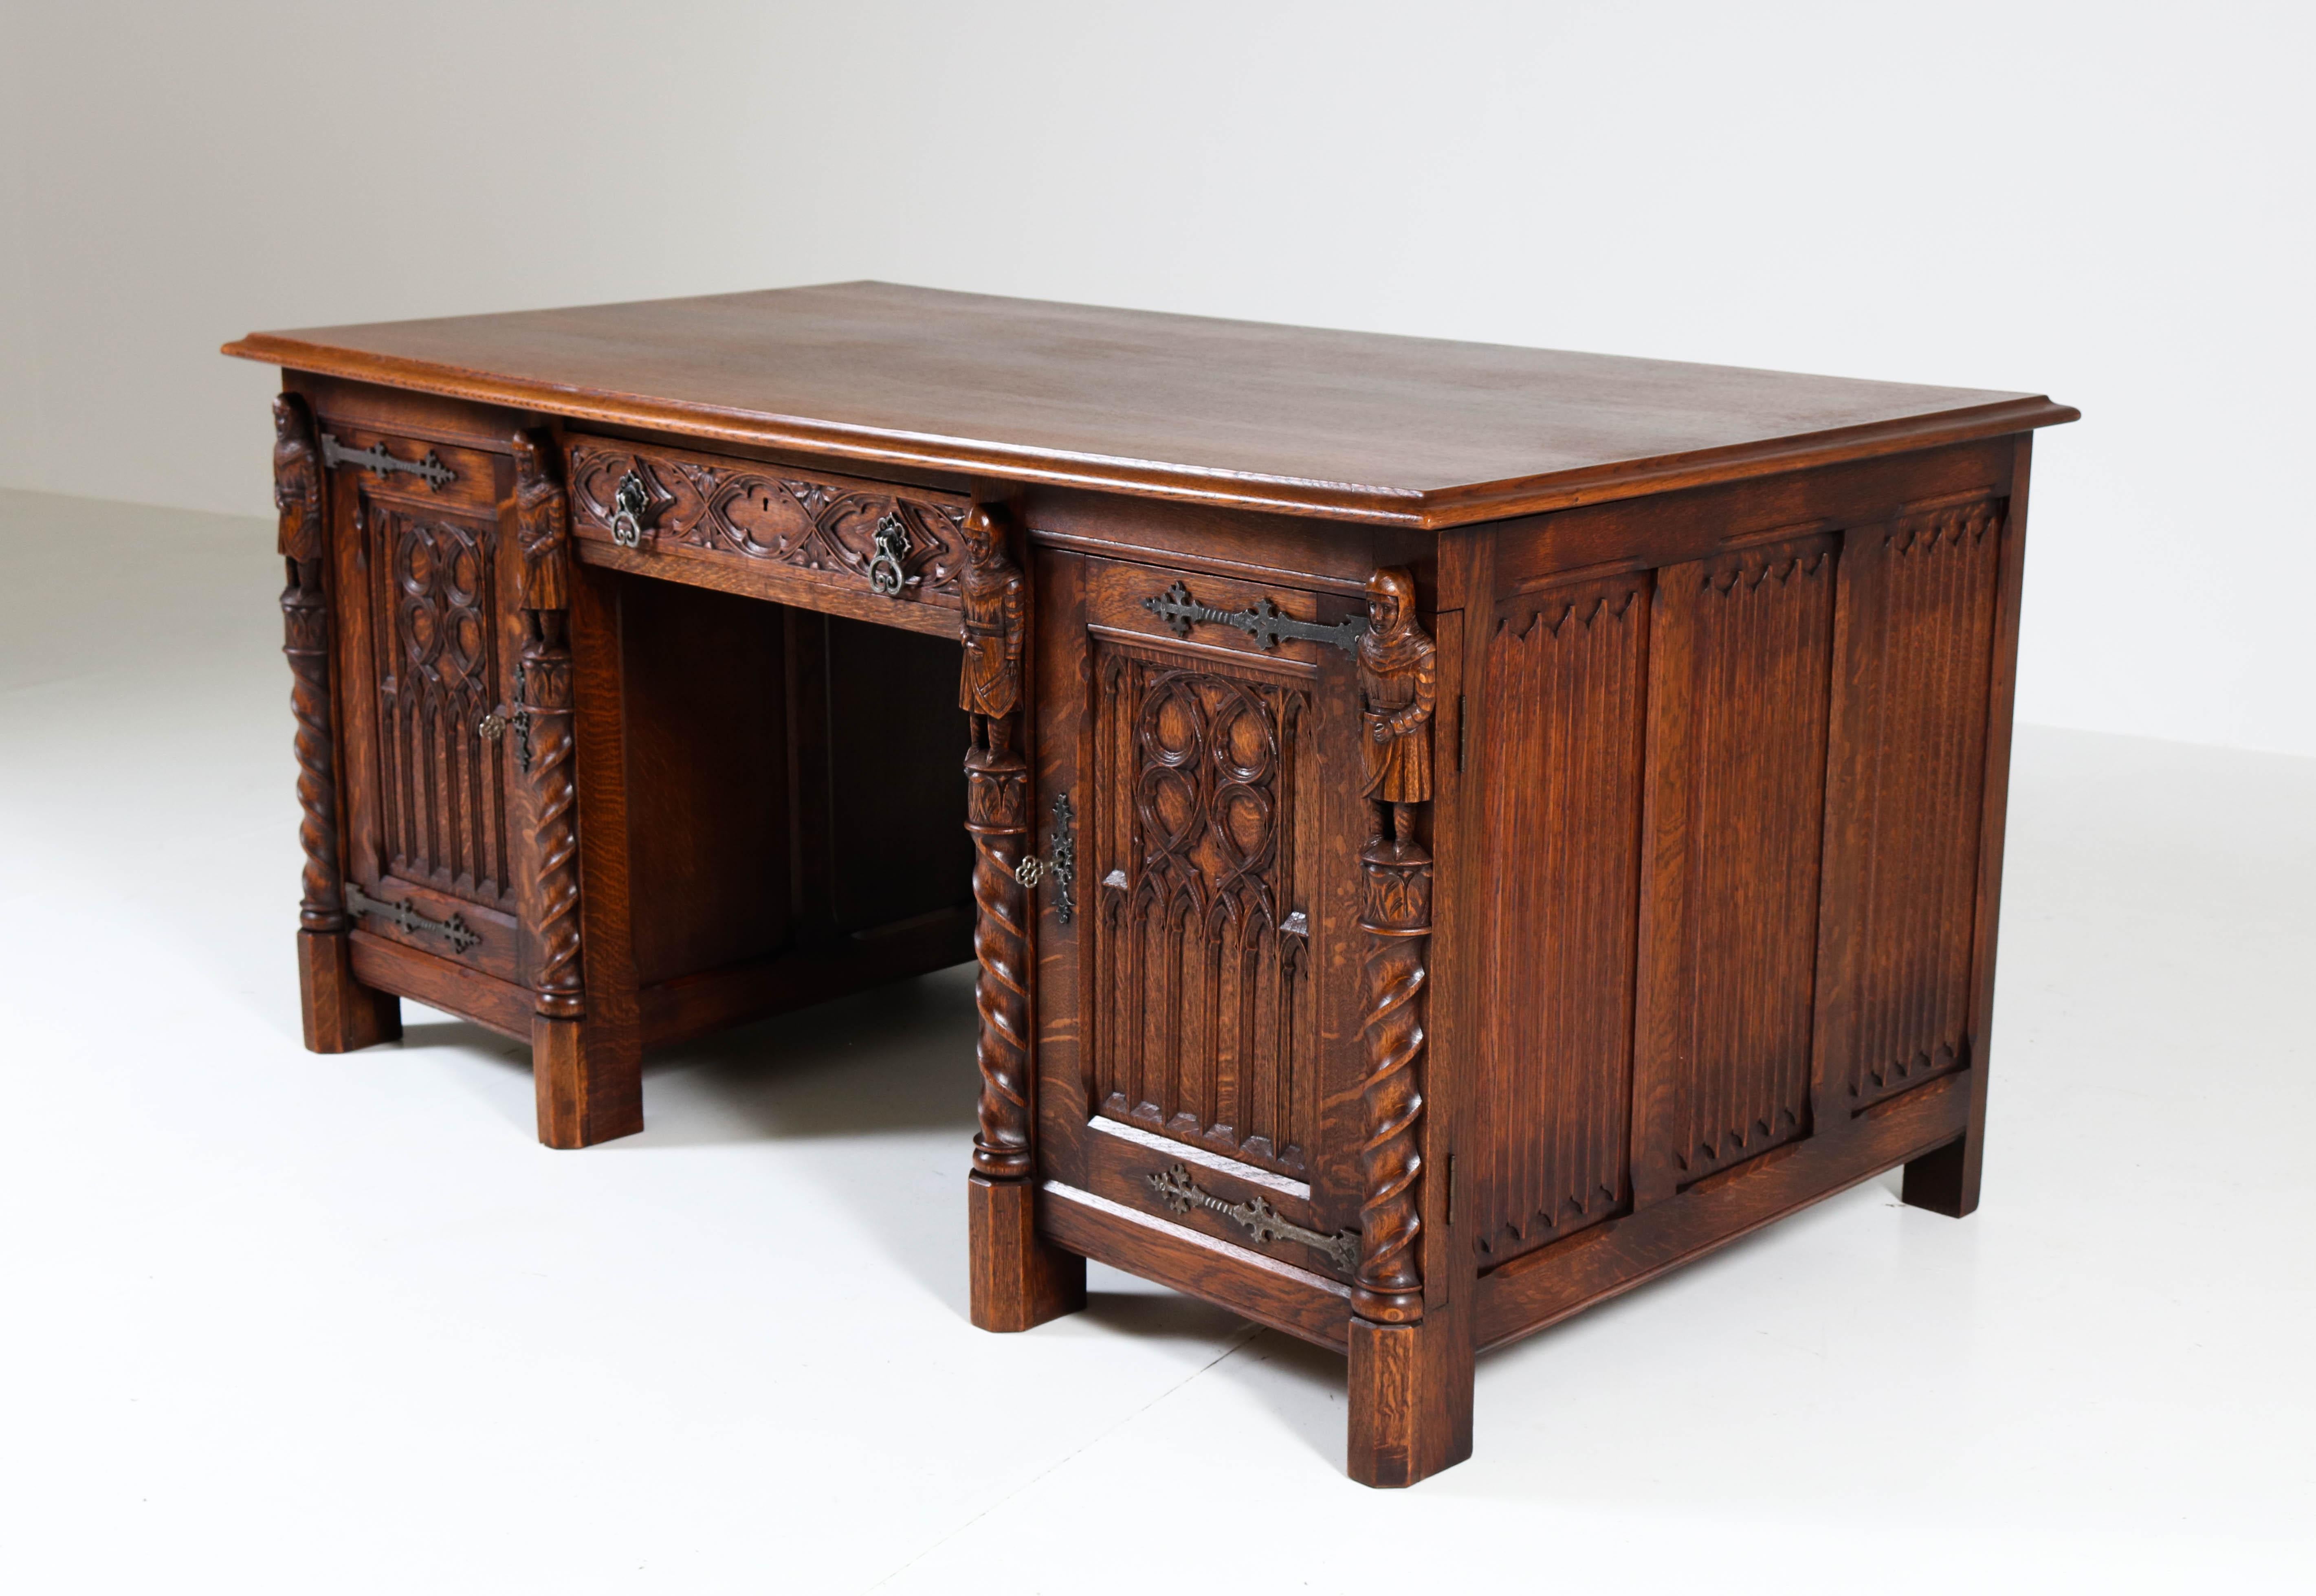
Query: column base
[(590, 1088), (340, 1014), (1020, 1278), (1410, 1401)]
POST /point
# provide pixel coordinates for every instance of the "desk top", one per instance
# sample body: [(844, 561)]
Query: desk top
[(1361, 426)]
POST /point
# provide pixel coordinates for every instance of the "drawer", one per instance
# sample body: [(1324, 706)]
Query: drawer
[(875, 550), (394, 465)]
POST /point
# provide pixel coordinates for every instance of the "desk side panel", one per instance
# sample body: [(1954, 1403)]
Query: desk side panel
[(1731, 751)]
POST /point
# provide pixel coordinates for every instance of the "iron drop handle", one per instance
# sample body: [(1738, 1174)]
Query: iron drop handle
[(630, 503)]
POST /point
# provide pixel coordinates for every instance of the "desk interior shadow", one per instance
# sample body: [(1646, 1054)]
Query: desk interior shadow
[(446, 1032), (895, 1058)]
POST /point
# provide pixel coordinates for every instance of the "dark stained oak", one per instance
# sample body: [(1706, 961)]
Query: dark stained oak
[(1020, 1279), (1354, 425), (339, 1013), (1446, 832)]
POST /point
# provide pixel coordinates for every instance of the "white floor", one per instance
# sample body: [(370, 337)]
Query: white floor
[(280, 1323)]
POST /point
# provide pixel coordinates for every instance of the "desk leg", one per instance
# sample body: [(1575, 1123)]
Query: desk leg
[(1411, 1390), (1411, 1366), (588, 1077), (339, 1013), (1946, 1180), (1019, 1279), (589, 1084)]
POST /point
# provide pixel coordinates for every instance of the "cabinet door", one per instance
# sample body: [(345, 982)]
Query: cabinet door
[(1204, 989), (426, 643)]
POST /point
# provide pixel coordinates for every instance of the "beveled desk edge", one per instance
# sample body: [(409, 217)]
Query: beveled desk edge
[(1427, 510)]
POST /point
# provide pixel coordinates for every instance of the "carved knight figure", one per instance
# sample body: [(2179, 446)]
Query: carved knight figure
[(1398, 684), (994, 600), (541, 529), (297, 480)]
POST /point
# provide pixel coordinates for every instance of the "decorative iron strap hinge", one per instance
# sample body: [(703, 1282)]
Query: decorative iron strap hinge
[(1179, 1191), (1061, 864), (437, 475), (453, 930), (1259, 620), (521, 721)]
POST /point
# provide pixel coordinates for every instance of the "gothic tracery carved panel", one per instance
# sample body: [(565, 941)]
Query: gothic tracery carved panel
[(1203, 1028), (442, 799)]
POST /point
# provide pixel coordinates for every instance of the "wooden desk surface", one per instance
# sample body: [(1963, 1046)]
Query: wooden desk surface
[(1416, 431)]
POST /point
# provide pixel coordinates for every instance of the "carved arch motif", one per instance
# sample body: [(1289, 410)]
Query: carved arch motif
[(1202, 1028)]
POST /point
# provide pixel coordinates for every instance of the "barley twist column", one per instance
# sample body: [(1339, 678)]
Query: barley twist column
[(997, 815)]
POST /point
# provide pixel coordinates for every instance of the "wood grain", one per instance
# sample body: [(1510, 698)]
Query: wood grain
[(1540, 1289), (1458, 988), (1741, 659), (1267, 1291), (1357, 426), (1903, 799), (1020, 1278), (1410, 1401), (543, 751), (1947, 1182), (741, 516), (1560, 738), (1203, 1028)]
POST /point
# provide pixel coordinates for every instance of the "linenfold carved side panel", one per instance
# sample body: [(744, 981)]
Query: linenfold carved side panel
[(443, 797), (1741, 656), (828, 526), (1202, 1022), (1561, 736), (1904, 794)]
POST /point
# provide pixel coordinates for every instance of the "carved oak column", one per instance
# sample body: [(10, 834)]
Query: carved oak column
[(997, 815), (1018, 1278), (1410, 1389), (1395, 913), (992, 630), (584, 1096), (306, 640), (542, 729), (1397, 689), (338, 1013)]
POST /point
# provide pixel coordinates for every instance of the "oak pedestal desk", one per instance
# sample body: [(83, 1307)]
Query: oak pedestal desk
[(1448, 831)]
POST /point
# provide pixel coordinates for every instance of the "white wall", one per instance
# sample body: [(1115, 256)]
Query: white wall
[(2106, 202)]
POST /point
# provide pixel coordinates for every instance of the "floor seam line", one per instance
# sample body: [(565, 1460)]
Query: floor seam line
[(1240, 1338)]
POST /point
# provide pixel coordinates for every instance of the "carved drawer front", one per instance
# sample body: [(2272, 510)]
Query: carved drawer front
[(768, 530)]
